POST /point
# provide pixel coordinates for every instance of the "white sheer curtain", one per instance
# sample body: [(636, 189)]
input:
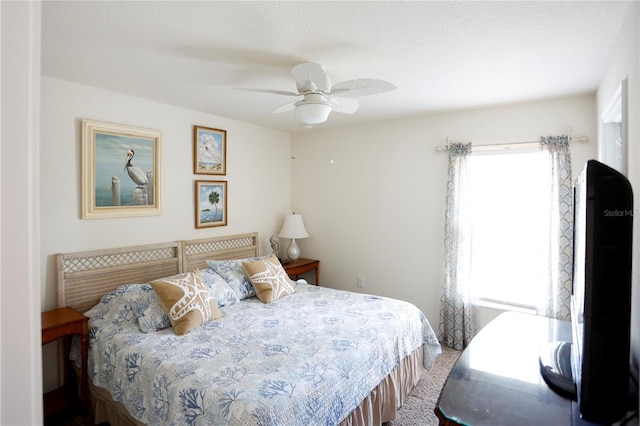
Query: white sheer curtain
[(456, 314), (556, 298)]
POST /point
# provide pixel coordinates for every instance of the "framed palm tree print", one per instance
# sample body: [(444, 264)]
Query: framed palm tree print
[(211, 203)]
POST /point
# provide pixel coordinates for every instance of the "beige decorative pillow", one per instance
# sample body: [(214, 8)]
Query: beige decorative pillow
[(269, 279), (187, 301)]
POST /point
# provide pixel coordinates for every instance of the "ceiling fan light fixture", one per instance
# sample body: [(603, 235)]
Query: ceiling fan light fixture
[(320, 98), (313, 113)]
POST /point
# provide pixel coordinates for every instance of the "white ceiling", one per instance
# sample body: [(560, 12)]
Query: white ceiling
[(442, 55)]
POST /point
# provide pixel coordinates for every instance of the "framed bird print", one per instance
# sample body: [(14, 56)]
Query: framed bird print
[(210, 151), (121, 170), (211, 203)]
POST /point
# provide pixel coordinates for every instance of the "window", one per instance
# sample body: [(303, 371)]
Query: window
[(613, 131), (509, 226)]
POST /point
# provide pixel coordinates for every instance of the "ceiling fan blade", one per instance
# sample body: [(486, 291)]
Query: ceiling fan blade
[(361, 87), (344, 105), (284, 108), (270, 91), (310, 77)]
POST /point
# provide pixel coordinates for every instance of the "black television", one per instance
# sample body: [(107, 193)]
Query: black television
[(594, 369)]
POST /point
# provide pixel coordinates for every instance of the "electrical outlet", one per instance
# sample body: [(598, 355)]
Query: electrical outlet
[(360, 281)]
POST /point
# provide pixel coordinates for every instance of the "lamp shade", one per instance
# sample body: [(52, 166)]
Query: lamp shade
[(293, 227), (313, 113)]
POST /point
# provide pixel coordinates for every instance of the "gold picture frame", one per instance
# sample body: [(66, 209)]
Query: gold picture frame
[(209, 151), (211, 203), (121, 170)]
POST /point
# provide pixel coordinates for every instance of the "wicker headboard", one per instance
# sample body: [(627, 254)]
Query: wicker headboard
[(196, 252), (84, 277)]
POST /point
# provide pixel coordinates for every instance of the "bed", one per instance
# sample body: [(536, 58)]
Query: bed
[(317, 356)]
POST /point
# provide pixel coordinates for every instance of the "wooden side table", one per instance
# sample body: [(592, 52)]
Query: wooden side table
[(63, 323), (300, 266)]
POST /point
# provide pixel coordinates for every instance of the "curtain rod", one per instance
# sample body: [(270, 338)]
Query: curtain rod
[(509, 145)]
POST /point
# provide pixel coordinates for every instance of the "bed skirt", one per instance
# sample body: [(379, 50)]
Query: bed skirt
[(381, 404), (378, 407)]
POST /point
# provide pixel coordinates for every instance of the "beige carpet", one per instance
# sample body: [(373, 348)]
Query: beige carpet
[(417, 409)]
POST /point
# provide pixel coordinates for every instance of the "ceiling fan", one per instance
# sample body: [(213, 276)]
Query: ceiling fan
[(320, 97)]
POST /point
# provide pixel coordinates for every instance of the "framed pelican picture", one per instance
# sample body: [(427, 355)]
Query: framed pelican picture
[(210, 151), (121, 170), (211, 203)]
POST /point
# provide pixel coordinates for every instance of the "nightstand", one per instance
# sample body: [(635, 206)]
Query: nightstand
[(300, 266), (63, 323)]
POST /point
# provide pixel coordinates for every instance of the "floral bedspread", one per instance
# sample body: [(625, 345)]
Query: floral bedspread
[(306, 359)]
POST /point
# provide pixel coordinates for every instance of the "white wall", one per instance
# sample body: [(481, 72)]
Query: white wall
[(625, 64), (20, 337), (258, 175), (378, 211)]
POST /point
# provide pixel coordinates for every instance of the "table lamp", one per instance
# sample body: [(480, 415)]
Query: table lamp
[(293, 228)]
